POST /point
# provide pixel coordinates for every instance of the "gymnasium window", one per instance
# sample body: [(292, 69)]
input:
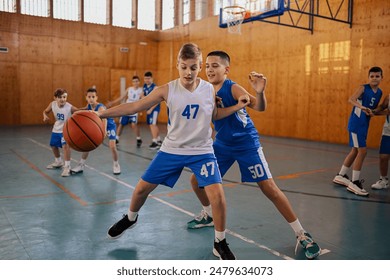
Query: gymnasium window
[(96, 11), (147, 14), (67, 9), (8, 6), (168, 14), (200, 9), (39, 8), (122, 13), (186, 11)]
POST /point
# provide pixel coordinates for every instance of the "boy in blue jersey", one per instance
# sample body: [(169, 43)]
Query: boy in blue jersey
[(191, 104), (237, 139), (93, 104), (152, 113), (365, 99)]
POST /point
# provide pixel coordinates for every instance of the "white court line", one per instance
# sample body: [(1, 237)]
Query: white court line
[(235, 234)]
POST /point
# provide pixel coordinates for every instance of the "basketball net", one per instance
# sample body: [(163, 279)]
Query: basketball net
[(234, 16)]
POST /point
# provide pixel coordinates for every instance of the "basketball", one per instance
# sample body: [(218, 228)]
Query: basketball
[(84, 131)]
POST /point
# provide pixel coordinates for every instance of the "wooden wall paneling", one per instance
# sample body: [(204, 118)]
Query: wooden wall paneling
[(11, 41), (36, 91), (67, 51), (10, 95), (70, 77), (35, 48), (97, 54)]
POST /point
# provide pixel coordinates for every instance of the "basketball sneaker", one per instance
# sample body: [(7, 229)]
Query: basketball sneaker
[(139, 143), (312, 250), (66, 171), (116, 169), (203, 220), (341, 180), (222, 251), (117, 229), (159, 142), (381, 184), (55, 165), (154, 146), (78, 169), (356, 187)]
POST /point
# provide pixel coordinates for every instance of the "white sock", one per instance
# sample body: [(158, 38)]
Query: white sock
[(138, 138), (58, 159), (117, 137), (82, 161), (116, 162), (208, 210), (297, 227), (132, 215), (154, 140), (384, 178), (158, 138), (219, 236), (343, 170), (67, 163), (355, 175)]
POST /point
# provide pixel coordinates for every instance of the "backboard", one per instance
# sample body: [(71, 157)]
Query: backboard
[(254, 10)]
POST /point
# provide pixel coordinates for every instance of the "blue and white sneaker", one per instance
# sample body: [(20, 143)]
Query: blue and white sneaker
[(203, 220), (312, 250)]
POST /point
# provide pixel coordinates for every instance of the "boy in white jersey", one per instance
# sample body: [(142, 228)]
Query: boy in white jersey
[(365, 99), (61, 110), (133, 93), (191, 104), (384, 150), (237, 139)]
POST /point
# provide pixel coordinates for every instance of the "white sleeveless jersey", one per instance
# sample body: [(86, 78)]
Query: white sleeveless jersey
[(61, 115), (133, 94), (189, 119), (386, 125)]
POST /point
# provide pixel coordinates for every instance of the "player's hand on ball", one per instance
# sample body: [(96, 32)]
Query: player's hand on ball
[(258, 81)]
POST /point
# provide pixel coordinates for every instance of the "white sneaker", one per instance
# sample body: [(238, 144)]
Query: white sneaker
[(55, 165), (66, 171), (116, 168), (78, 169), (341, 180), (381, 184), (356, 187)]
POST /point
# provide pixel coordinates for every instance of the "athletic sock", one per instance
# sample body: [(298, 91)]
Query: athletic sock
[(355, 175), (208, 210), (132, 215), (67, 163), (219, 236), (297, 227), (344, 169)]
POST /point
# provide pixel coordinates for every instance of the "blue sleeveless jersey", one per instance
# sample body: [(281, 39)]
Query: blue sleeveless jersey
[(359, 121), (237, 130), (148, 90), (110, 121)]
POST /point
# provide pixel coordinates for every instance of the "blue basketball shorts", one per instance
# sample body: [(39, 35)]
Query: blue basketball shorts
[(385, 145), (166, 168), (357, 140), (57, 140), (111, 131), (129, 119), (152, 117), (252, 163)]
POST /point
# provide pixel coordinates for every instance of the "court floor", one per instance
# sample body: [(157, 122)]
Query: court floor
[(44, 216)]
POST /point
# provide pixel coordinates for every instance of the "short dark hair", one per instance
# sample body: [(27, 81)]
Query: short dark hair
[(189, 51), (148, 74), (92, 90), (59, 92), (223, 55), (375, 69), (135, 77)]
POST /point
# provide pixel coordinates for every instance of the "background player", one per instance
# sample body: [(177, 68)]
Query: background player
[(109, 123), (133, 93), (62, 110)]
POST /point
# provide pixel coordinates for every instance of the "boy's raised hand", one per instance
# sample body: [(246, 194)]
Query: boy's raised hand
[(258, 81)]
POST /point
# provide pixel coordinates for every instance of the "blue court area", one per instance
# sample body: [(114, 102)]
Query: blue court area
[(44, 216)]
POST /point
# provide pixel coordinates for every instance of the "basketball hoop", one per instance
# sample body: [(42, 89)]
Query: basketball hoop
[(234, 16)]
